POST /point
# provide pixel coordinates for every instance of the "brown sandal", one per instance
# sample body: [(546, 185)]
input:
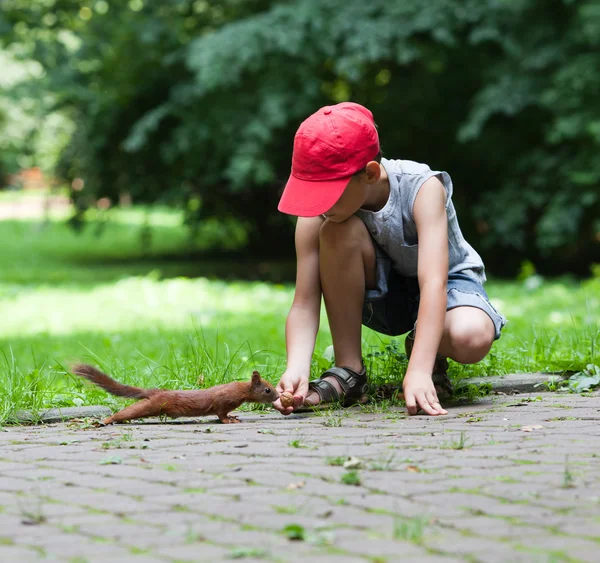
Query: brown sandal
[(354, 388)]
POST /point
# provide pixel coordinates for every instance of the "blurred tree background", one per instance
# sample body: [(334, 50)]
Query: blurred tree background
[(194, 103)]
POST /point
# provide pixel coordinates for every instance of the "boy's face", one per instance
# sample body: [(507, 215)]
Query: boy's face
[(350, 201), (355, 194)]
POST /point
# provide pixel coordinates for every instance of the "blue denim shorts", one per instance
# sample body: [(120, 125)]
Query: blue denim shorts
[(391, 308)]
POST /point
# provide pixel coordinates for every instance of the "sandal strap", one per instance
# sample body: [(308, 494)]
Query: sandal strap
[(325, 389), (346, 377), (352, 383)]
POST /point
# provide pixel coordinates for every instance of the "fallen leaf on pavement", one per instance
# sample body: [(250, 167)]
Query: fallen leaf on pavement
[(294, 486), (353, 463), (531, 428)]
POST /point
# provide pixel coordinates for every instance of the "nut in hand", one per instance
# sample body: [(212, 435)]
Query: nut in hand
[(287, 399)]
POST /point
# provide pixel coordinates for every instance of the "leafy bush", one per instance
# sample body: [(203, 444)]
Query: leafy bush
[(195, 104)]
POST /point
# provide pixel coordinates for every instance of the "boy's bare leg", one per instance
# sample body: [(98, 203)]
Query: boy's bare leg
[(468, 335), (347, 266)]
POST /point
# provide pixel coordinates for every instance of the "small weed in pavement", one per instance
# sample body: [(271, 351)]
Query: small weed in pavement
[(568, 481), (336, 460), (252, 552), (286, 509), (294, 532), (351, 478), (383, 463), (333, 421), (459, 443), (411, 529), (297, 444)]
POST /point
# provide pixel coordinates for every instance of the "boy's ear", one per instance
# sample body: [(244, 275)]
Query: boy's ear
[(373, 171), (255, 378)]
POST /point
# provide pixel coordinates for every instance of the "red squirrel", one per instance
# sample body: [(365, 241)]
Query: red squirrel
[(219, 400)]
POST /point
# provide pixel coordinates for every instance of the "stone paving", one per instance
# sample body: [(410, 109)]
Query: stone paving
[(513, 478)]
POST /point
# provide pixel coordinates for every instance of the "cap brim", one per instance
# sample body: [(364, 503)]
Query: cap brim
[(310, 199)]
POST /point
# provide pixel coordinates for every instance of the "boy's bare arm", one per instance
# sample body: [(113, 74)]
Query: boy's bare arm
[(432, 228), (303, 319)]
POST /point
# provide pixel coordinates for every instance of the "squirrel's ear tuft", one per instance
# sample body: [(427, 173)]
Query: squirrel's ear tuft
[(255, 377)]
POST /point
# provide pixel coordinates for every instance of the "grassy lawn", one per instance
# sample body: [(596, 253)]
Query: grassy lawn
[(101, 296)]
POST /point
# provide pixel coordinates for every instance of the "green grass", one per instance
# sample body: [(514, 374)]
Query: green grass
[(411, 529), (101, 296), (113, 245)]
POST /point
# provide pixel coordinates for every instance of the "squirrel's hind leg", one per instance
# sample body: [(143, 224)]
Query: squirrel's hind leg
[(142, 409)]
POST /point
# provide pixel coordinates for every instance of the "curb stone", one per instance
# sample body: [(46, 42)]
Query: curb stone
[(61, 414), (516, 382)]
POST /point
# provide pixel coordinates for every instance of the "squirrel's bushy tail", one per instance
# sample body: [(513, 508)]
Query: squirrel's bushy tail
[(108, 384)]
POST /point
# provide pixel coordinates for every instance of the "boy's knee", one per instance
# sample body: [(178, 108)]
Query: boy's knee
[(470, 344), (350, 232)]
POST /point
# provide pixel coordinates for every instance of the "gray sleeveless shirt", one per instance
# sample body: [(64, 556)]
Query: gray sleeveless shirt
[(393, 227)]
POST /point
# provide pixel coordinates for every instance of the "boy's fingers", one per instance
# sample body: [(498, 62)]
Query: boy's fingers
[(277, 405), (425, 406), (283, 387), (424, 403), (435, 403), (302, 389), (281, 409), (411, 404)]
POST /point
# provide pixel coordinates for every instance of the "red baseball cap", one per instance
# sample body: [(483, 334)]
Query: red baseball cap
[(329, 147)]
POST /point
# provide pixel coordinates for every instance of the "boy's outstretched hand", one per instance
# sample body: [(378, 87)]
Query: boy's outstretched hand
[(297, 386), (420, 393)]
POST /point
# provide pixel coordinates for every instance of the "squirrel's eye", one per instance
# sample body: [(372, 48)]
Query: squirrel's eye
[(267, 390)]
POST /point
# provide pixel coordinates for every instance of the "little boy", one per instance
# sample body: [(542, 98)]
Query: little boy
[(380, 240)]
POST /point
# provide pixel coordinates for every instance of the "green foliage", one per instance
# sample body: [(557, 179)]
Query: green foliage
[(471, 392), (31, 133), (586, 379), (549, 200), (195, 104)]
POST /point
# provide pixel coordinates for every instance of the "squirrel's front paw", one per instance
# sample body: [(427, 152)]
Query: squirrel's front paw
[(229, 419)]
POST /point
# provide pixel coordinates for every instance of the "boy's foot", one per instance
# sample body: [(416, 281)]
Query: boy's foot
[(338, 385), (439, 375)]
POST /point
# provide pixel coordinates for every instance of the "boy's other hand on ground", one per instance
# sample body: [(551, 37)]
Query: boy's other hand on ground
[(420, 393), (296, 385)]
